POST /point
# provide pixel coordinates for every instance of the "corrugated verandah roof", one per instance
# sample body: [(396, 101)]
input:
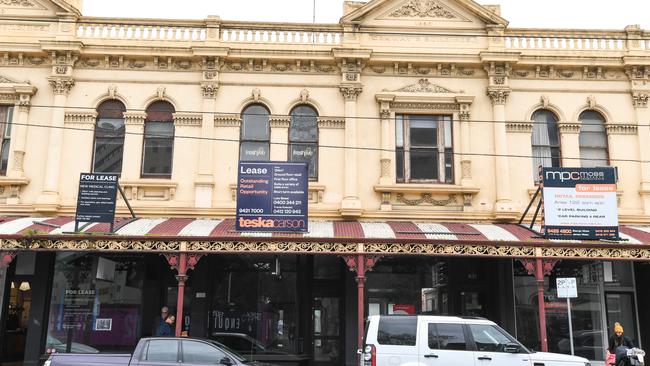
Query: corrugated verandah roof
[(333, 237)]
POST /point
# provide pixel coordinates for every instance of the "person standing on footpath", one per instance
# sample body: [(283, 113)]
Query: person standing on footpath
[(160, 320)]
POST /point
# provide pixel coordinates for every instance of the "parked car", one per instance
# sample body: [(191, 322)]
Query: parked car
[(155, 351), (442, 340), (254, 350)]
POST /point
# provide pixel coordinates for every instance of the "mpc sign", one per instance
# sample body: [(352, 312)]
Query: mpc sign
[(580, 203), (272, 196)]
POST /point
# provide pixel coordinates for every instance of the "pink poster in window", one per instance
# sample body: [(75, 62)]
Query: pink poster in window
[(404, 309)]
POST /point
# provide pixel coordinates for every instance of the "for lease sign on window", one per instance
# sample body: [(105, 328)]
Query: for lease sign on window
[(272, 196), (580, 203)]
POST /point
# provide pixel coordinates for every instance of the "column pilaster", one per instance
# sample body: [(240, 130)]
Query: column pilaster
[(351, 204), (464, 115), (61, 83), (570, 142), (642, 113), (387, 175), (499, 96), (204, 181), (19, 129)]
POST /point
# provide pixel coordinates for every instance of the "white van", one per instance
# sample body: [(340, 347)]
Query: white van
[(422, 340)]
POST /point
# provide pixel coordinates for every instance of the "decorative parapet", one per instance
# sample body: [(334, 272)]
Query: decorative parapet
[(435, 196), (331, 123), (227, 120), (616, 129), (519, 127), (569, 127), (187, 119), (149, 190), (279, 121), (80, 118)]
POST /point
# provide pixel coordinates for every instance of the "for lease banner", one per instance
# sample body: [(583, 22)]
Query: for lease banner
[(580, 203), (272, 196)]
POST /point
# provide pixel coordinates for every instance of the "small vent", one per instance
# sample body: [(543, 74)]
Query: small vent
[(538, 364)]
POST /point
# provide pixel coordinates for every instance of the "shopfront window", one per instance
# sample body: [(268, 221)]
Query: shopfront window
[(96, 303), (586, 310), (254, 304)]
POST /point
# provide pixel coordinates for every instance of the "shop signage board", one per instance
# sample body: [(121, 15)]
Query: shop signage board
[(272, 196), (96, 198), (580, 203)]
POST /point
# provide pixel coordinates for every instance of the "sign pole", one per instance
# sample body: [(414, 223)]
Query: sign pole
[(568, 307)]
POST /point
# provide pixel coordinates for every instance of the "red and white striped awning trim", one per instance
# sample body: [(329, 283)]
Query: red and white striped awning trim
[(344, 231)]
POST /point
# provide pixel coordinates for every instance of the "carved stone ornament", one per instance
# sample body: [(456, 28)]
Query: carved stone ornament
[(385, 168), (569, 128), (256, 93), (466, 169), (639, 99), (385, 113), (61, 86), (519, 127), (160, 92), (591, 101), (619, 129), (498, 96), (422, 9), (350, 92), (304, 95), (112, 90), (425, 198), (209, 90), (545, 101), (424, 86), (18, 3)]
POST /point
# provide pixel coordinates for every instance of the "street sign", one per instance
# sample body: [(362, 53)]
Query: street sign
[(96, 198), (580, 203), (272, 196), (566, 287)]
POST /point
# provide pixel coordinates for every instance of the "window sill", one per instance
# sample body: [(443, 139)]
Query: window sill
[(10, 189), (315, 195), (149, 189), (433, 196)]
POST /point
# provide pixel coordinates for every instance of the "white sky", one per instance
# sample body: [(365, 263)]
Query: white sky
[(591, 14)]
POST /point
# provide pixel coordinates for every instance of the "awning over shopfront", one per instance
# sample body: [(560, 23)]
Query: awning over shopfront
[(335, 237)]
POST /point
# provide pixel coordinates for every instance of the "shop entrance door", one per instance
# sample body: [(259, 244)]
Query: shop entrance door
[(326, 322), (18, 299), (621, 308)]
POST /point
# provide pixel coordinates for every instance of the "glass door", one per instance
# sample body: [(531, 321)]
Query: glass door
[(327, 331), (620, 308)]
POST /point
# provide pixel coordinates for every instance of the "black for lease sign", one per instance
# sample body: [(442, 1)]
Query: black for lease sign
[(97, 196)]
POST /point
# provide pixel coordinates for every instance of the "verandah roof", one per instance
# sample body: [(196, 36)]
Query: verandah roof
[(334, 237)]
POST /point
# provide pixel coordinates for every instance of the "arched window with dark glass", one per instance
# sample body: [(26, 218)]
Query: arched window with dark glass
[(158, 150), (254, 141), (109, 137), (303, 138), (593, 140), (545, 140)]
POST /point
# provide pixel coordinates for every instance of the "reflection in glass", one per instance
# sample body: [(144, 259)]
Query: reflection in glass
[(157, 153), (109, 137), (303, 137)]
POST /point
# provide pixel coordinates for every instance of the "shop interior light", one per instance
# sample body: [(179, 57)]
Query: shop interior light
[(24, 286), (13, 285)]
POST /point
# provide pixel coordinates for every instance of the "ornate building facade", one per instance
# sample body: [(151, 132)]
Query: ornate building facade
[(422, 122)]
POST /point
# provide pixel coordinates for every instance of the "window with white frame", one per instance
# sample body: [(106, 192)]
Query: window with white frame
[(255, 134), (109, 137), (303, 138), (6, 116), (158, 150), (593, 140), (545, 141), (424, 148)]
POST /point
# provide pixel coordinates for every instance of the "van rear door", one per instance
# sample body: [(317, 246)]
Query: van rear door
[(443, 344), (396, 341)]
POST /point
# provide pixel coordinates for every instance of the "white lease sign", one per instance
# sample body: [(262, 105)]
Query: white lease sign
[(567, 288)]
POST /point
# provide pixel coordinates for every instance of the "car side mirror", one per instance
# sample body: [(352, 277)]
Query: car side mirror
[(225, 361), (512, 348)]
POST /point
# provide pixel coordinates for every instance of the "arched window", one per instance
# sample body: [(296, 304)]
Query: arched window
[(109, 137), (593, 140), (255, 133), (157, 154), (303, 137), (545, 140), (6, 117)]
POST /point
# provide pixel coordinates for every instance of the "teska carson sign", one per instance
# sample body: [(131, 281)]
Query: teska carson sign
[(272, 196), (580, 203), (97, 196)]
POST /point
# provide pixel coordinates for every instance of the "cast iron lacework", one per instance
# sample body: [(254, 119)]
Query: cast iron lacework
[(453, 249)]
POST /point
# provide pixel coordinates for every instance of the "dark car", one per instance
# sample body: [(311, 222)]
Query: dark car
[(254, 350), (156, 351)]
